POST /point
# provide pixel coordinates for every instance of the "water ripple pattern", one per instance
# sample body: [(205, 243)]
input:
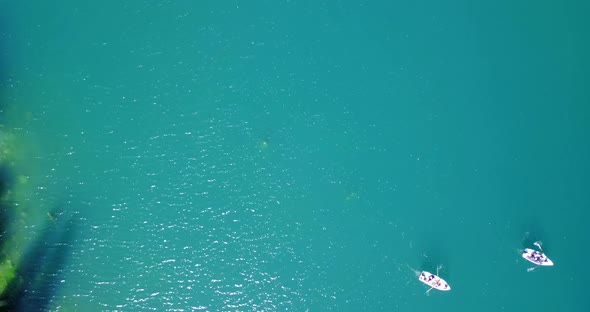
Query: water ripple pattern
[(201, 224)]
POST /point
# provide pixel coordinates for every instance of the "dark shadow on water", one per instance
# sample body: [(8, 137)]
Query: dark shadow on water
[(39, 275), (434, 255), (532, 232), (6, 182), (6, 179), (431, 262)]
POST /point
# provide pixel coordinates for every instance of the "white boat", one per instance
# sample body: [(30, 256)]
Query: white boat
[(536, 257), (434, 281)]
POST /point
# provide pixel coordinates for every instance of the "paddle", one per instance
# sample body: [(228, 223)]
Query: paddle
[(531, 269), (539, 244)]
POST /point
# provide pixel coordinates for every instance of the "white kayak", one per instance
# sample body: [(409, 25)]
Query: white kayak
[(433, 281), (536, 257)]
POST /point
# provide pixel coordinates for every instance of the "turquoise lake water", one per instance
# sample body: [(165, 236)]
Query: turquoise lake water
[(302, 155)]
